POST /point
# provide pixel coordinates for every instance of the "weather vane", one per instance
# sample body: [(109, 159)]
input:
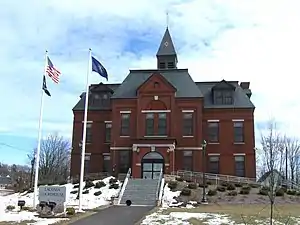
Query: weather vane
[(167, 18)]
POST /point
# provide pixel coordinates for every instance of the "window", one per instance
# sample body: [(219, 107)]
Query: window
[(124, 161), (213, 166), (106, 162), (170, 65), (227, 100), (187, 160), (187, 124), (88, 133), (238, 132), (213, 132), (162, 124), (87, 159), (107, 132), (239, 166), (224, 97), (162, 65), (125, 124), (149, 124), (218, 97)]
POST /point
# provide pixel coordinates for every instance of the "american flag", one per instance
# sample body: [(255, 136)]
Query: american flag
[(52, 71)]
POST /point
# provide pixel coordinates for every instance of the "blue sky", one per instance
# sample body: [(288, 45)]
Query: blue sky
[(256, 41)]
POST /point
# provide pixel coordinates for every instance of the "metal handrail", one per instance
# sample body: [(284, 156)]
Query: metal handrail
[(217, 177), (159, 183), (124, 184)]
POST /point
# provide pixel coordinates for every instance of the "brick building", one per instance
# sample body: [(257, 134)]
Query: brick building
[(158, 118)]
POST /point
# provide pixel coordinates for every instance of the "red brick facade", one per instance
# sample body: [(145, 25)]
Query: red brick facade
[(158, 119), (164, 101)]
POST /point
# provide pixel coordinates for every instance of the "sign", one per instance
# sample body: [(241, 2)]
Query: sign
[(52, 193)]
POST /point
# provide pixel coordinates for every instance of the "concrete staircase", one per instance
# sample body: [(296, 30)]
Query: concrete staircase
[(141, 192)]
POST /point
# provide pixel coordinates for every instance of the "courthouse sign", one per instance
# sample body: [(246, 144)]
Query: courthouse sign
[(52, 193)]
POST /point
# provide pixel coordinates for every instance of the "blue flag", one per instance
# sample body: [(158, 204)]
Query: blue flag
[(98, 68)]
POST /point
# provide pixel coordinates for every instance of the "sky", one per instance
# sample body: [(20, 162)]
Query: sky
[(256, 41)]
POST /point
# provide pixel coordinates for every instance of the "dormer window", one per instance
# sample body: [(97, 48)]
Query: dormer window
[(223, 97), (223, 93)]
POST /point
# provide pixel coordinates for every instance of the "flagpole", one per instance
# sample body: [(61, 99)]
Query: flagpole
[(84, 131), (37, 155)]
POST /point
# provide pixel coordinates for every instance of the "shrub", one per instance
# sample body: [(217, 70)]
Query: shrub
[(89, 184), (100, 184), (97, 193), (279, 192), (10, 207), (208, 182), (114, 186), (212, 192), (238, 184), (298, 193), (224, 184), (74, 192), (254, 185), (70, 211), (192, 185), (202, 185), (186, 192), (230, 187), (232, 193), (85, 192), (26, 208), (189, 180), (263, 192), (76, 186), (246, 187), (244, 191), (291, 192), (179, 179), (172, 184), (221, 188), (265, 188), (113, 180)]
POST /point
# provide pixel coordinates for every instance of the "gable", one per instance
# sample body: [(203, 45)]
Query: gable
[(156, 83), (100, 88), (223, 85)]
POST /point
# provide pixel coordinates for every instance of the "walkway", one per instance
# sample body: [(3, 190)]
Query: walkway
[(116, 215)]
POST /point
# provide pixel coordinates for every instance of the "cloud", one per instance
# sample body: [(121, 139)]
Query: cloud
[(256, 41)]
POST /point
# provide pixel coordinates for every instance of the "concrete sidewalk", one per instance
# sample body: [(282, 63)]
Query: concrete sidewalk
[(116, 215)]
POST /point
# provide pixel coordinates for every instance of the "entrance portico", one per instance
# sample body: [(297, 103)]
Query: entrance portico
[(149, 159)]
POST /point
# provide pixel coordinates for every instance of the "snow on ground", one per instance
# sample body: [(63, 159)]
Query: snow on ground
[(90, 201), (182, 218)]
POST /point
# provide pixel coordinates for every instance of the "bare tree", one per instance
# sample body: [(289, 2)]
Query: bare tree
[(293, 152), (54, 162), (272, 147)]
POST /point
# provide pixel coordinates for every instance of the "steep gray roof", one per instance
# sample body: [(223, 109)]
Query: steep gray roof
[(179, 78), (166, 46), (241, 100)]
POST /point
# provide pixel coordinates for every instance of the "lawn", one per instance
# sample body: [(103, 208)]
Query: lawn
[(243, 214)]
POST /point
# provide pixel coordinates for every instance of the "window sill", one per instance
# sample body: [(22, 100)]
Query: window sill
[(213, 143), (187, 136), (239, 143), (155, 136), (124, 136)]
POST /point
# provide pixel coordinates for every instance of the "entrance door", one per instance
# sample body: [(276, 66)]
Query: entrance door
[(152, 163)]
